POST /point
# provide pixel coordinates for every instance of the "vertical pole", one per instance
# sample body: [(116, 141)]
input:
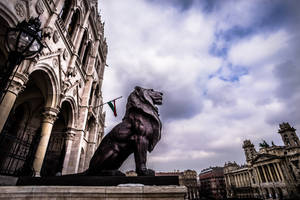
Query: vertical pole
[(47, 125)]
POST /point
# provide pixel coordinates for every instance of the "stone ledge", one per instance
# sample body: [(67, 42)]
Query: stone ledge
[(91, 192)]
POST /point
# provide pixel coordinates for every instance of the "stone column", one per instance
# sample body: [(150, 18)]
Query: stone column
[(263, 170), (258, 175), (235, 179), (69, 137), (280, 172), (80, 126), (272, 177), (244, 179), (276, 171), (238, 181), (81, 31), (16, 86), (49, 117)]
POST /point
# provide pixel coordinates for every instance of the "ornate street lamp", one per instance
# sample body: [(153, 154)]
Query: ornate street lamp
[(23, 41)]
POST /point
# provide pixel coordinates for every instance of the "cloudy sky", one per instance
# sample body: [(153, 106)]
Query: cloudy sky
[(229, 71)]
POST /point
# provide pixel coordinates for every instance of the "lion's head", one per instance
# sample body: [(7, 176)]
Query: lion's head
[(144, 100)]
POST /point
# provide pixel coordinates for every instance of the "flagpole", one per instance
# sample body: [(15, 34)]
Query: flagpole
[(108, 101)]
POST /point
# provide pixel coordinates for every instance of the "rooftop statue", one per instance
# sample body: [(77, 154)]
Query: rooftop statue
[(139, 132)]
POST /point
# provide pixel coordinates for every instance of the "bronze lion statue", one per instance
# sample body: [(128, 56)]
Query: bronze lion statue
[(139, 132)]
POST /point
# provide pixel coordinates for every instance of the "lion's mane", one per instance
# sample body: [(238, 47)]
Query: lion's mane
[(140, 100)]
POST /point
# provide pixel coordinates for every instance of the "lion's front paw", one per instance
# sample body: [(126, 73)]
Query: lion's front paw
[(145, 172)]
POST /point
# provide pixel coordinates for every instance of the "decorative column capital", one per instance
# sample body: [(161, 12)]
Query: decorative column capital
[(16, 87), (70, 134), (17, 83), (50, 115)]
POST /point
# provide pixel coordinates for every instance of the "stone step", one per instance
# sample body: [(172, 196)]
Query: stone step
[(92, 192)]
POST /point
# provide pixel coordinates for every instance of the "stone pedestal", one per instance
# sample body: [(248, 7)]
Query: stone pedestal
[(79, 180), (92, 192)]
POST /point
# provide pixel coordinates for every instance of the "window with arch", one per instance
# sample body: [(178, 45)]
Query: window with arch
[(82, 44), (85, 55), (73, 23), (96, 96), (91, 95), (65, 10)]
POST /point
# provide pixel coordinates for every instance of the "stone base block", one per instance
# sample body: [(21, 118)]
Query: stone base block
[(92, 192), (8, 180), (98, 180)]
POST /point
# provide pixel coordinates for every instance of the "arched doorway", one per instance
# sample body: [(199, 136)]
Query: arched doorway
[(20, 135), (56, 150)]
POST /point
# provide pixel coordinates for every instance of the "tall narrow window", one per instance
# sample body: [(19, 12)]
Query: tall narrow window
[(85, 56), (65, 10), (91, 96), (73, 23), (83, 40)]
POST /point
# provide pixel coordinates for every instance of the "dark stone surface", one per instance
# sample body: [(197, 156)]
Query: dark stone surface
[(139, 132), (8, 180), (98, 180)]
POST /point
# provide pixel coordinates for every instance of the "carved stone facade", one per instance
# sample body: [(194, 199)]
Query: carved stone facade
[(271, 173), (50, 120)]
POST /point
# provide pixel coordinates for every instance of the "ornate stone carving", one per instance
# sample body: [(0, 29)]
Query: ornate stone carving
[(16, 87), (74, 93), (83, 7), (65, 86), (56, 36), (138, 133), (49, 116), (48, 32), (285, 127), (71, 72), (70, 135), (20, 9), (65, 54), (55, 62), (39, 7)]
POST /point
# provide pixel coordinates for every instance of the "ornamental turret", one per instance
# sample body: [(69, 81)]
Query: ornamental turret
[(288, 135), (249, 149)]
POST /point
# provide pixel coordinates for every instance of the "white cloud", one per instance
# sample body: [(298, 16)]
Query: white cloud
[(205, 118), (259, 48)]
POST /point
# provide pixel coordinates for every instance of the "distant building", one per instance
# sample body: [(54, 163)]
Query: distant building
[(187, 178), (271, 173), (212, 183), (238, 183)]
